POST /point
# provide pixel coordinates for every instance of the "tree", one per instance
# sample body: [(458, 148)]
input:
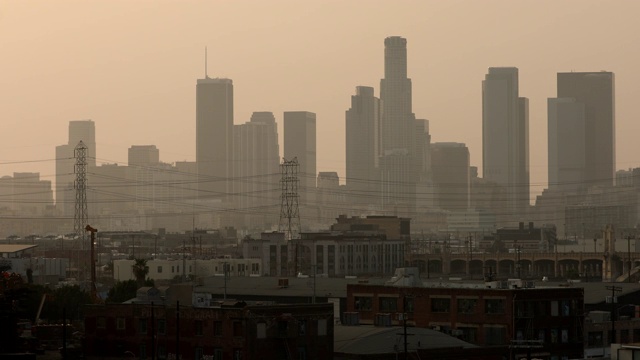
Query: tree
[(140, 270), (125, 290)]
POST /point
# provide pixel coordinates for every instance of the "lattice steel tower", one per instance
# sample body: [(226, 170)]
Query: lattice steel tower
[(289, 214), (81, 216)]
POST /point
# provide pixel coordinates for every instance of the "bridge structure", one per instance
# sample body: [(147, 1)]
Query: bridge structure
[(529, 264)]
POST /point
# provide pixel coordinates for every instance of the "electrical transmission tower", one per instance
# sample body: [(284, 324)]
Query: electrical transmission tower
[(81, 216), (289, 214)]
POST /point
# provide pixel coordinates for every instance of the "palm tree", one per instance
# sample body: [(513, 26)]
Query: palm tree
[(140, 270)]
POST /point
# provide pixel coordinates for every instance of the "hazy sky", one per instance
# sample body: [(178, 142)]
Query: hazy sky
[(131, 66)]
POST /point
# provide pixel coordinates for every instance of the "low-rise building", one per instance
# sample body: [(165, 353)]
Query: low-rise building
[(482, 314), (232, 330), (168, 269)]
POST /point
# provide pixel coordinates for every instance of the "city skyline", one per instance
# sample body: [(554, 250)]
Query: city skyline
[(118, 96)]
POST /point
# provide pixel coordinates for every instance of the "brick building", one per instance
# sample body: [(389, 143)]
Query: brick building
[(231, 331), (552, 318)]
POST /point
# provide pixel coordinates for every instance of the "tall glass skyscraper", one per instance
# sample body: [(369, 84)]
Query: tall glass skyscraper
[(398, 161), (505, 136)]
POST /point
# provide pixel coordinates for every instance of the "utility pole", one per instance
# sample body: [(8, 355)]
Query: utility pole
[(629, 257), (94, 292), (614, 300)]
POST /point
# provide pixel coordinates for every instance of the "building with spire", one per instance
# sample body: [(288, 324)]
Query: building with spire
[(214, 137), (399, 158)]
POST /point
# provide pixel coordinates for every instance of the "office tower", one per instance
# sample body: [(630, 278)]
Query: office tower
[(451, 175), (363, 146), (505, 133), (214, 137), (143, 155), (257, 169), (144, 161), (300, 142), (25, 194), (79, 130), (398, 162), (566, 144), (424, 190), (596, 90)]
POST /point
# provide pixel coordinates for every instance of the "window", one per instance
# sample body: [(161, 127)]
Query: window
[(120, 323), (237, 354), (554, 336), (162, 326), (439, 305), (388, 304), (159, 269), (409, 304), (362, 303), (198, 327), (143, 351), (173, 269), (261, 330), (217, 354), (162, 352), (494, 335), (566, 307), (142, 326), (467, 306), (322, 327), (302, 353), (199, 353), (554, 308), (217, 328), (101, 323), (494, 306)]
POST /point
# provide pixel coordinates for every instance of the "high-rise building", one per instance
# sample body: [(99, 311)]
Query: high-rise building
[(596, 90), (505, 136), (79, 130), (214, 137), (143, 155), (363, 146), (398, 125), (451, 175), (566, 144), (257, 169), (300, 142)]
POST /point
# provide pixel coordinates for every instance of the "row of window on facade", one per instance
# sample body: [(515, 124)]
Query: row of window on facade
[(284, 327), (255, 268), (470, 306)]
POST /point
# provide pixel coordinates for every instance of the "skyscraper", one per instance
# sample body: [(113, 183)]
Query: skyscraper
[(566, 144), (257, 168), (214, 137), (398, 125), (505, 135), (79, 130), (300, 142), (363, 146), (596, 90), (451, 175)]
